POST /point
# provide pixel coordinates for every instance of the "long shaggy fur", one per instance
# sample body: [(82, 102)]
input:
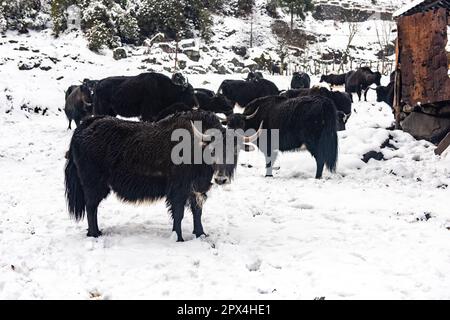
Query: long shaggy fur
[(133, 159), (307, 121)]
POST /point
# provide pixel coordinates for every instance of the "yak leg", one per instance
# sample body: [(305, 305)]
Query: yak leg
[(320, 164), (365, 93), (271, 156), (70, 125), (93, 230), (196, 202), (176, 204), (359, 94), (320, 161)]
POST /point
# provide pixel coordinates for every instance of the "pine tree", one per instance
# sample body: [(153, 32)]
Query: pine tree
[(57, 12), (3, 21)]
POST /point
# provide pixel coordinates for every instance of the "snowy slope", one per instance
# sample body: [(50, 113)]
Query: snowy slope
[(376, 230)]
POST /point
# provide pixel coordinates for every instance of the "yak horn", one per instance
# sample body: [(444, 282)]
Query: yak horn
[(221, 119), (83, 99), (200, 136), (254, 137), (252, 115)]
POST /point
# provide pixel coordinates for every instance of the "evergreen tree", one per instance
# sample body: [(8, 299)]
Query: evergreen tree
[(98, 36), (57, 13)]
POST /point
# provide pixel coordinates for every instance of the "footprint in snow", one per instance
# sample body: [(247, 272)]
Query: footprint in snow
[(254, 266)]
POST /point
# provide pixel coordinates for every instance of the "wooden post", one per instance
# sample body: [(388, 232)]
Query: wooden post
[(445, 143), (397, 88)]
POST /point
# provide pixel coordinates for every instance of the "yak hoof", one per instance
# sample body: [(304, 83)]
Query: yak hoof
[(180, 240), (269, 175), (200, 234), (94, 234)]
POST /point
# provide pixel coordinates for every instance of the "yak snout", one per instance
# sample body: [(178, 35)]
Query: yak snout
[(221, 179)]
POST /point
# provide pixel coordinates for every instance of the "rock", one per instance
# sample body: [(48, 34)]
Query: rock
[(54, 60), (188, 44), (340, 12), (119, 53), (22, 48), (230, 33), (198, 69), (237, 63), (221, 69), (240, 51), (28, 65), (45, 68), (378, 156), (167, 48), (427, 127), (182, 64), (192, 54)]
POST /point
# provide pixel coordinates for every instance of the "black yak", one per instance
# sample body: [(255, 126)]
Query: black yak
[(361, 80), (300, 80), (78, 104), (134, 159), (342, 101), (179, 79), (386, 94), (209, 101), (307, 121), (254, 76), (103, 94), (243, 92), (336, 79), (142, 96)]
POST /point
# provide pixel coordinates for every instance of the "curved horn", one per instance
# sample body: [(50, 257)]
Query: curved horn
[(251, 116), (197, 104), (254, 137), (221, 119), (83, 99), (198, 134)]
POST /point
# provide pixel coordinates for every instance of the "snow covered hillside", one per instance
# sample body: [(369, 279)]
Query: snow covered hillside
[(375, 230), (372, 230)]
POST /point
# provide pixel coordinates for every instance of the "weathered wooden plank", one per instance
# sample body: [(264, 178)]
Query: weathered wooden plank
[(445, 143), (422, 39)]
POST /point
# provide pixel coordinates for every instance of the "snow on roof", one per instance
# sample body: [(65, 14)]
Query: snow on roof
[(418, 5)]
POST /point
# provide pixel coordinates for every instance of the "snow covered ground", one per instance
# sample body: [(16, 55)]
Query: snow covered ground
[(376, 230)]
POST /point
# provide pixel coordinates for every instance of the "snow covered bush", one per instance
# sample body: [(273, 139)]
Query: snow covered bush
[(3, 22), (162, 16), (22, 15), (128, 27), (99, 26), (99, 36), (57, 13), (174, 18)]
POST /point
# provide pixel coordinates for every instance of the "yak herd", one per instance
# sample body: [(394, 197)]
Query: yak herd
[(133, 158)]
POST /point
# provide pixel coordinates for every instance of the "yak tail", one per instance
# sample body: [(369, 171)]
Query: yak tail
[(328, 141), (74, 190)]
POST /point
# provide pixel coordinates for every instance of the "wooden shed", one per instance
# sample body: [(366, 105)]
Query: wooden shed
[(422, 83)]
